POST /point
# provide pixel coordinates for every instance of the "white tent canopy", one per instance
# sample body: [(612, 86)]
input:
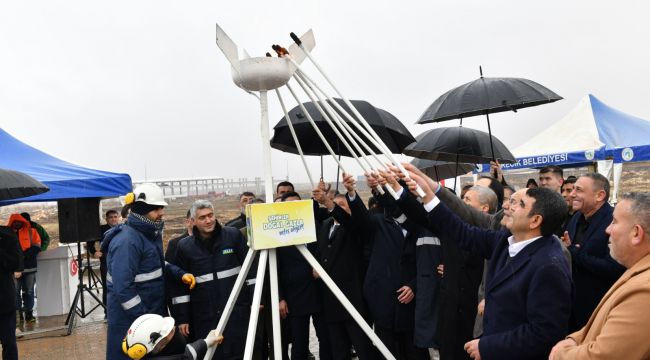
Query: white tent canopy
[(592, 132)]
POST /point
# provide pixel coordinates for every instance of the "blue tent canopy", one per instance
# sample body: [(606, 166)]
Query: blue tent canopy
[(64, 179), (590, 132)]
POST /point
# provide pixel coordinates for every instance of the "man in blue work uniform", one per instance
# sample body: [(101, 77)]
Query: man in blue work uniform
[(215, 254), (135, 266)]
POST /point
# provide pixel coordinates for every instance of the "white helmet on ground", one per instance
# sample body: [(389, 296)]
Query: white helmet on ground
[(149, 193), (145, 333)]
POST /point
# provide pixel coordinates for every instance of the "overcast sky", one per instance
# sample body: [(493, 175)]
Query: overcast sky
[(140, 87)]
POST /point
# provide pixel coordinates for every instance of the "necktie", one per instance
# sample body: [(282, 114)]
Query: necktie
[(333, 230)]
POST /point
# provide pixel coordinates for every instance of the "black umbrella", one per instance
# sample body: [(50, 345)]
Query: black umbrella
[(459, 144), (485, 96), (438, 170), (15, 185), (391, 131)]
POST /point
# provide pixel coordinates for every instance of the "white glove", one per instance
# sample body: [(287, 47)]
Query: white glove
[(213, 339)]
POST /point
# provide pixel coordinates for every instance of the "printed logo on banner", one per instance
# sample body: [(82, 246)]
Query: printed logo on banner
[(281, 224), (627, 154), (590, 154)]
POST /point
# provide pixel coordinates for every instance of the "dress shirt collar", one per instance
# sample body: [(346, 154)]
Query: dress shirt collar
[(515, 247)]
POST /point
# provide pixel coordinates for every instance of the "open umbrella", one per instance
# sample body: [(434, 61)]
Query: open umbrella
[(15, 185), (391, 131), (459, 144), (485, 96), (438, 170)]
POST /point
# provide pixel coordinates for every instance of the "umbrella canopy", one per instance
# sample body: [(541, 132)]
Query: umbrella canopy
[(438, 170), (391, 131), (14, 185), (458, 144), (487, 96)]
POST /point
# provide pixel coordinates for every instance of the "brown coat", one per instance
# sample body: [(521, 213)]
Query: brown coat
[(619, 327)]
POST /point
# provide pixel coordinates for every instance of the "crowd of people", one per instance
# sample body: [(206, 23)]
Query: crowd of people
[(548, 271), (497, 273)]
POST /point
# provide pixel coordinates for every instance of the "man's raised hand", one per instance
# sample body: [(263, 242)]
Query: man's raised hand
[(349, 183)]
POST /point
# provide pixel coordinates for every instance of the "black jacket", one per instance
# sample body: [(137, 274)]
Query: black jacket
[(391, 266), (297, 285), (341, 255), (11, 260), (238, 222), (593, 269)]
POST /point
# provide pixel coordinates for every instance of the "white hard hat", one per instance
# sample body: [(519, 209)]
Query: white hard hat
[(145, 333), (149, 193)]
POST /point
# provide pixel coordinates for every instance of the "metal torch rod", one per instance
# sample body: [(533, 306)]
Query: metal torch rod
[(282, 52), (363, 131), (313, 124), (377, 143), (348, 129), (330, 123), (384, 149), (295, 138), (344, 127)]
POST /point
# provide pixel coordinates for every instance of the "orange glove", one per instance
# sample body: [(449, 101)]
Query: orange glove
[(188, 279)]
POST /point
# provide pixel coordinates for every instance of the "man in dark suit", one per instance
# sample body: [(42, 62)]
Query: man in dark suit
[(300, 298), (594, 270), (528, 283), (390, 281), (340, 250)]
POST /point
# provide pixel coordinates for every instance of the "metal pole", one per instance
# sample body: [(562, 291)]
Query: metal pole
[(266, 147), (490, 133)]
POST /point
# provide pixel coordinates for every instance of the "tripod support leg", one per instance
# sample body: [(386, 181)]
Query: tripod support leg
[(75, 309), (255, 306), (231, 299), (275, 304), (345, 302)]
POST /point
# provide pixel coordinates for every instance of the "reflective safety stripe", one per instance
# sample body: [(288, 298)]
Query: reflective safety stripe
[(131, 303), (30, 270), (228, 273), (180, 299), (204, 278), (251, 281), (149, 276), (192, 351), (401, 219), (427, 240), (109, 278)]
